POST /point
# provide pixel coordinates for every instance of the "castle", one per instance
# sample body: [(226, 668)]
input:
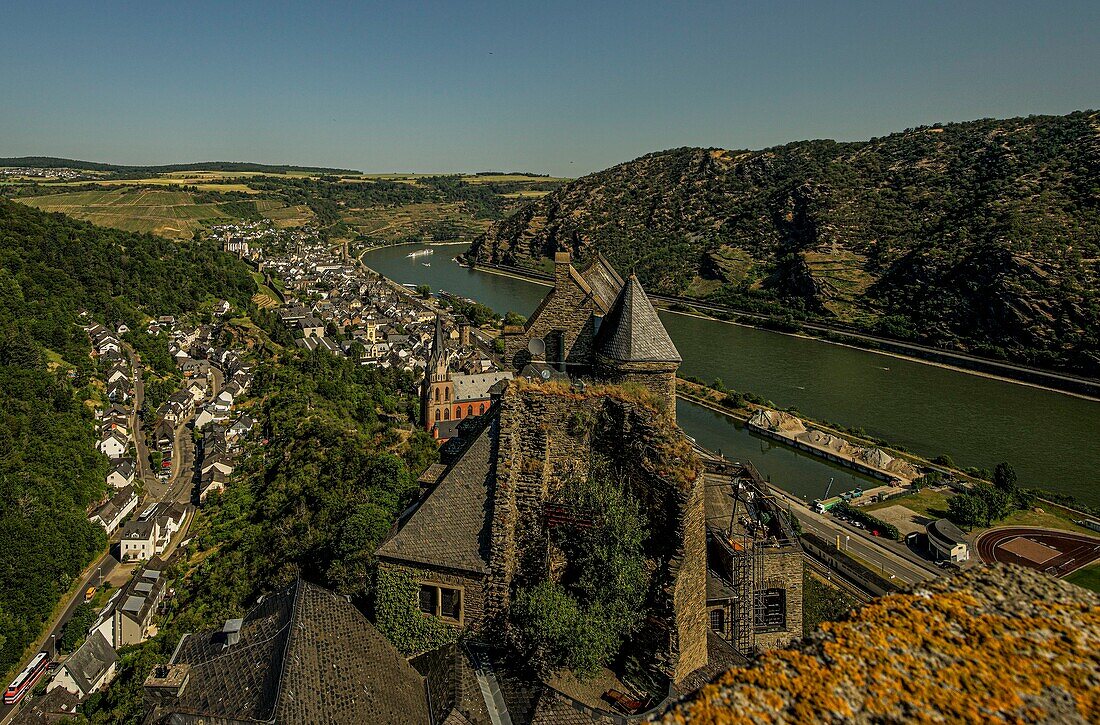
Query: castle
[(730, 568), (594, 324)]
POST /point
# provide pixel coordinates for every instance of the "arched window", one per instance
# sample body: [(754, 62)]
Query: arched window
[(446, 414), (481, 409), (447, 394), (469, 410), (437, 415), (437, 395)]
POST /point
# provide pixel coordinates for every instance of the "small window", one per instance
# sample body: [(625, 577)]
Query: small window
[(428, 598), (437, 414), (447, 394), (469, 410), (718, 620), (440, 601), (450, 603), (482, 409), (437, 395), (446, 414), (771, 610)]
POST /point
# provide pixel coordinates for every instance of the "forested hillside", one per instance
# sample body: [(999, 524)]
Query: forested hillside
[(52, 268), (983, 235)]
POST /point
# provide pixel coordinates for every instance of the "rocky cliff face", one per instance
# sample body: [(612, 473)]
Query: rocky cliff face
[(984, 235), (995, 644)]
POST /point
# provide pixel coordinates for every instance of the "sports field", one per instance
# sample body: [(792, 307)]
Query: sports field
[(1055, 552)]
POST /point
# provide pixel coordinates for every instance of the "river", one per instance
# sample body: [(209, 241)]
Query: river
[(1052, 439)]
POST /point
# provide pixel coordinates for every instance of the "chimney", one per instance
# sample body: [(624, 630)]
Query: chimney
[(563, 261), (165, 684)]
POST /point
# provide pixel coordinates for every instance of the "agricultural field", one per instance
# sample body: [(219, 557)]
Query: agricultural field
[(172, 214), (284, 216), (428, 219)]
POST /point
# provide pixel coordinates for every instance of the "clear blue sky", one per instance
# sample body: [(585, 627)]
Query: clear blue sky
[(558, 87)]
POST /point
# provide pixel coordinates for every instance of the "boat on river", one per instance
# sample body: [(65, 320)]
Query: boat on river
[(420, 253)]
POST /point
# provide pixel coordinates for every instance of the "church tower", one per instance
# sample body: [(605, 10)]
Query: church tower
[(437, 390)]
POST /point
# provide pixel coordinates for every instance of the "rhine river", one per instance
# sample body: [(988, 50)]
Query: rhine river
[(1052, 439)]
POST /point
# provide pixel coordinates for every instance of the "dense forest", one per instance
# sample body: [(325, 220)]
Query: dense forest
[(983, 236), (331, 465), (51, 269)]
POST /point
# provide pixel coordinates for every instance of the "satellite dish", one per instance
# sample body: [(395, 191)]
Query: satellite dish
[(536, 346), (545, 374)]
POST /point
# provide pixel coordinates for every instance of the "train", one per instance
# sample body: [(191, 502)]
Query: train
[(27, 679)]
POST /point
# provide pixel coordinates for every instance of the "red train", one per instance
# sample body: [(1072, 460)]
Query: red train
[(27, 679)]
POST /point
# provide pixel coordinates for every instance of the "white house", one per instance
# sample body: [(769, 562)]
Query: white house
[(946, 541), (111, 514), (122, 473), (91, 668), (114, 445)]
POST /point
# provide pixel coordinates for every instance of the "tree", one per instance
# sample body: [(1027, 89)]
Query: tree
[(424, 291), (514, 318), (1004, 477), (580, 622), (74, 631), (998, 503), (967, 510)]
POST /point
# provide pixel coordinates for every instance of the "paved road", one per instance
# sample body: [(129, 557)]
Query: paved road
[(881, 553)]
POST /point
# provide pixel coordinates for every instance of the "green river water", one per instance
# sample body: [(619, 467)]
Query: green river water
[(1052, 439)]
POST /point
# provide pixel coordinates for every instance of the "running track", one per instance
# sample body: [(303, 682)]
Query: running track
[(1078, 550)]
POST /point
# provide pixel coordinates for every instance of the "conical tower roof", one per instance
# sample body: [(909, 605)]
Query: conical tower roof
[(437, 340), (632, 332)]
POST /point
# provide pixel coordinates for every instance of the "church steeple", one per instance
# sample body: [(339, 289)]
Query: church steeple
[(437, 391), (438, 364)]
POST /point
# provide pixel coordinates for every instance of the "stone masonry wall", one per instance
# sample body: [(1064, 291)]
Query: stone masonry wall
[(547, 435), (783, 567), (567, 310), (473, 590), (658, 378)]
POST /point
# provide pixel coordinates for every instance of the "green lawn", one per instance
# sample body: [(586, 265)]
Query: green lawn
[(1089, 577), (932, 504)]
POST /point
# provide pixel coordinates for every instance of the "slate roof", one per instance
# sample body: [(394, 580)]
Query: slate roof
[(947, 532), (449, 527), (91, 661), (454, 693), (476, 387), (305, 655), (604, 281), (631, 330)]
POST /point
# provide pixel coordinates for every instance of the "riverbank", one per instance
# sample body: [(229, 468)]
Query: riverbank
[(1053, 381), (1057, 515)]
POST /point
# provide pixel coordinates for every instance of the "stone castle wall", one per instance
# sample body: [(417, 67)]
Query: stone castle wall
[(784, 568), (656, 377), (567, 312), (548, 436), (473, 589)]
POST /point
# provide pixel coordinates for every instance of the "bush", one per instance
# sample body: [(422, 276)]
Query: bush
[(581, 622), (873, 524)]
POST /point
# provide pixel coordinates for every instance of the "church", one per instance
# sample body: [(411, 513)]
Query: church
[(447, 397)]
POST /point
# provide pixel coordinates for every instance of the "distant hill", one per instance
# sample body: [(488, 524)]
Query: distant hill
[(50, 162), (982, 235)]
